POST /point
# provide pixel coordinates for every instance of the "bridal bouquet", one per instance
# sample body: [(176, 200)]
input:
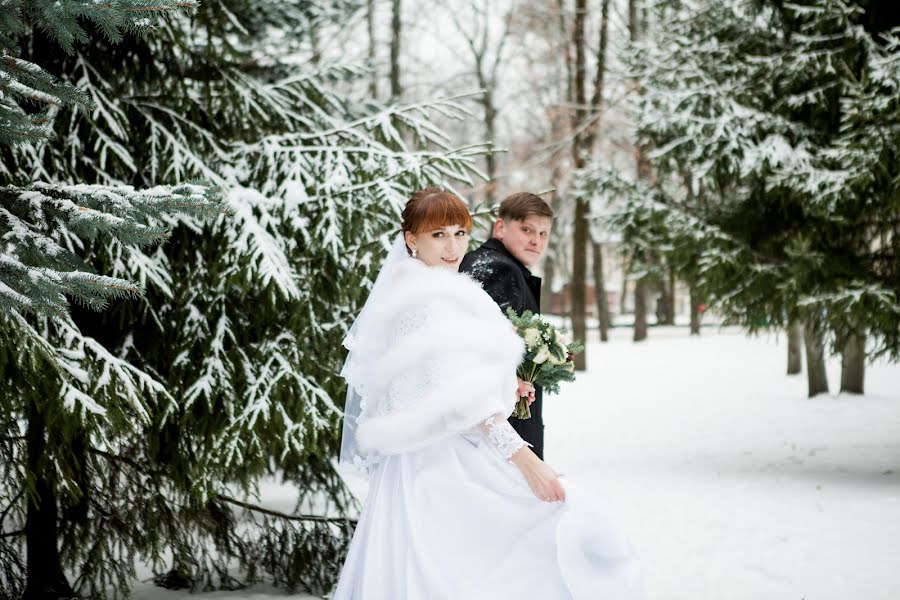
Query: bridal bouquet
[(548, 355)]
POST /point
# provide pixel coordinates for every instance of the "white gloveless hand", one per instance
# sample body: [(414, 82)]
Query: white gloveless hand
[(542, 480), (525, 389)]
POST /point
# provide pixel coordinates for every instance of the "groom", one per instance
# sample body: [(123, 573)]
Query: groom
[(501, 264)]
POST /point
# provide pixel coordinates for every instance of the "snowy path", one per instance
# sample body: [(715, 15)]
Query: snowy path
[(732, 484)]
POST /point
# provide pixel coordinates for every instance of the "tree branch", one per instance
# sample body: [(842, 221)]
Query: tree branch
[(281, 515), (245, 505), (118, 458), (11, 504), (16, 533)]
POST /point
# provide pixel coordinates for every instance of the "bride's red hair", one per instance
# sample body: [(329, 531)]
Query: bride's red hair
[(434, 208)]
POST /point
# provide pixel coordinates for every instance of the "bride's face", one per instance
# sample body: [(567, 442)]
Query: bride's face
[(444, 247)]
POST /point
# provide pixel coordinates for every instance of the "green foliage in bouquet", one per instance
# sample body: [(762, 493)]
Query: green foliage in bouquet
[(549, 357)]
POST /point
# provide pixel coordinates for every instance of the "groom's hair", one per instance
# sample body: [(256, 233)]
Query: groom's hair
[(518, 206)]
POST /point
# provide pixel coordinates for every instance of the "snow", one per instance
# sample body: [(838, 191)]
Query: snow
[(731, 482), (147, 591), (251, 238)]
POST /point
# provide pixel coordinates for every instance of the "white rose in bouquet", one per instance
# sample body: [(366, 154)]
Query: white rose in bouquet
[(548, 357), (542, 356)]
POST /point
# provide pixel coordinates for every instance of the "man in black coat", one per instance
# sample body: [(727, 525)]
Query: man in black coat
[(501, 264)]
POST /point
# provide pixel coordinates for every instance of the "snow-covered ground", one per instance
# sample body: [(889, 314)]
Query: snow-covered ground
[(732, 484)]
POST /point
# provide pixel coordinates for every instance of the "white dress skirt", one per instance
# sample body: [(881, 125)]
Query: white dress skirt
[(456, 521)]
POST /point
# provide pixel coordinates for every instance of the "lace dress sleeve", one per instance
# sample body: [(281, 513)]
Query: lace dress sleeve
[(501, 435)]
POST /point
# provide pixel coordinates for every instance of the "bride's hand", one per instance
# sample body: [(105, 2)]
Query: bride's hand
[(541, 478), (526, 389)]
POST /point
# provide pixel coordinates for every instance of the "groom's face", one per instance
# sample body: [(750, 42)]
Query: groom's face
[(525, 239)]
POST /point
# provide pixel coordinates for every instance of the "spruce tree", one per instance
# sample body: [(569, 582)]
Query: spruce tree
[(54, 375), (775, 128), (243, 316)]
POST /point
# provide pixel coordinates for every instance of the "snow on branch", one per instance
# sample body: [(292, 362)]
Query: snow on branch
[(37, 273)]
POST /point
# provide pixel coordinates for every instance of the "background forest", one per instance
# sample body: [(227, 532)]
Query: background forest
[(196, 197)]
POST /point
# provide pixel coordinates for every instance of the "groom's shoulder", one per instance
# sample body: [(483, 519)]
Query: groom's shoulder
[(486, 262)]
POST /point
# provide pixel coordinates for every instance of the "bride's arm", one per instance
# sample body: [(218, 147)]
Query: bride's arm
[(541, 478), (501, 435)]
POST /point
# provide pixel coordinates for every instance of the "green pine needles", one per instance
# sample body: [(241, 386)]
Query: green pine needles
[(774, 133), (142, 432)]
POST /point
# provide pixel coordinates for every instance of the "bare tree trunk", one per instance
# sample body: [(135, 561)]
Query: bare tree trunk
[(817, 378), (670, 299), (591, 136), (635, 31), (633, 25), (370, 27), (550, 260), (579, 274), (485, 67), (45, 577), (396, 90), (579, 237), (640, 310), (490, 116), (795, 343), (570, 86), (590, 133), (853, 363), (600, 287), (316, 57), (662, 314), (643, 172), (624, 289), (695, 311), (547, 283)]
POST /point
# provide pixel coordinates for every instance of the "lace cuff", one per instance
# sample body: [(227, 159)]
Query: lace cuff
[(501, 435)]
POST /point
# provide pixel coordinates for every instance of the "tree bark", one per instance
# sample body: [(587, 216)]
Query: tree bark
[(635, 31), (600, 287), (567, 48), (490, 118), (643, 172), (695, 311), (670, 298), (370, 28), (547, 283), (640, 311), (633, 25), (590, 138), (579, 237), (45, 579), (817, 378), (396, 90), (795, 342), (590, 133), (853, 363), (579, 274), (486, 67)]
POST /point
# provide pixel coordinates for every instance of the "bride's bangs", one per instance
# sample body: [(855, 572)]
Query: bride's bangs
[(442, 210)]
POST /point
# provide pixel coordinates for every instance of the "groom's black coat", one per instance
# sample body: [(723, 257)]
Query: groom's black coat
[(510, 284)]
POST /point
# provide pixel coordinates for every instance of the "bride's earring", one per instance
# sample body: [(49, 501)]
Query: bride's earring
[(414, 252)]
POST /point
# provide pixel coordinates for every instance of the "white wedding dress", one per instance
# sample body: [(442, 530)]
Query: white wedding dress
[(431, 376)]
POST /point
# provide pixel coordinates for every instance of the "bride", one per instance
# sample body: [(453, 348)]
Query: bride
[(459, 507)]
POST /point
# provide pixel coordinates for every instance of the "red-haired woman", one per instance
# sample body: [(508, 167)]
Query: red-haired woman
[(458, 507)]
